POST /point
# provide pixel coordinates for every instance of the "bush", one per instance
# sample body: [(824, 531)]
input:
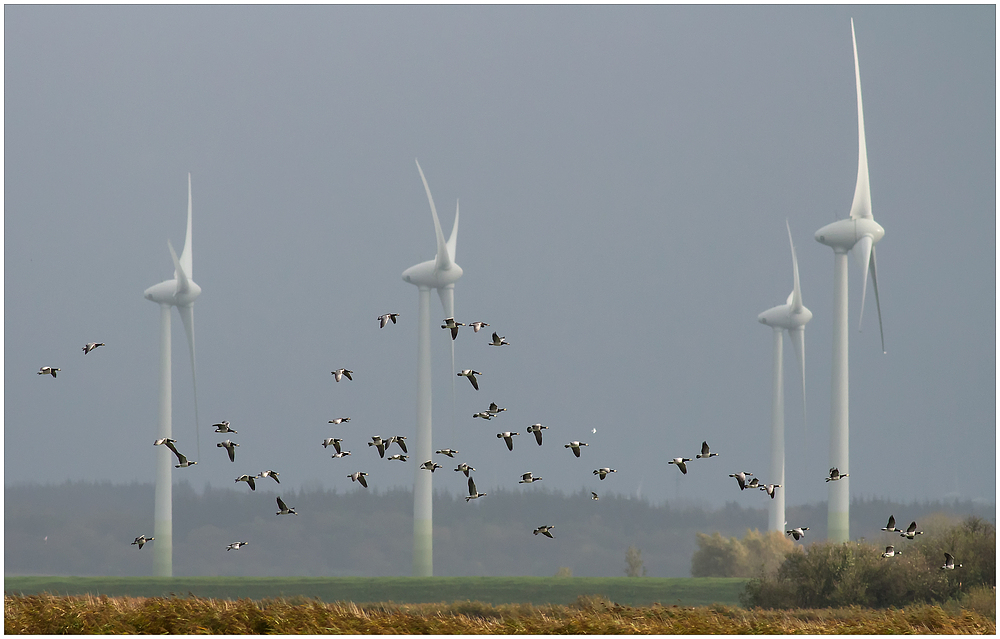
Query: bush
[(755, 555)]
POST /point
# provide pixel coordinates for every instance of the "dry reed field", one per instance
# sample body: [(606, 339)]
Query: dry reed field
[(47, 614)]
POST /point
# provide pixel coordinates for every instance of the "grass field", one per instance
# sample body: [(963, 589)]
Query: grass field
[(626, 591)]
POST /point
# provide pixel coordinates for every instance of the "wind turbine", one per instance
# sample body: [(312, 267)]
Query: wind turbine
[(860, 233), (440, 273), (180, 292), (792, 316)]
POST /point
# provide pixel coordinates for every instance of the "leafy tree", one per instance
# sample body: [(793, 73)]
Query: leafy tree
[(757, 553), (633, 563)]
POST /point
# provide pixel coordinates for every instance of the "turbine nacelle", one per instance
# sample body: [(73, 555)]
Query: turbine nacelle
[(166, 293), (426, 274), (842, 235), (784, 317)]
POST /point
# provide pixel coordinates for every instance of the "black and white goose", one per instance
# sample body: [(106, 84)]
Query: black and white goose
[(264, 474), (528, 478), (397, 457), (911, 531), (236, 545), (332, 441), (182, 461), (48, 370), (450, 323), (705, 452), (891, 526), (769, 489), (91, 346), (544, 530), (339, 420), (141, 540), (230, 447), (499, 341), (447, 451), (360, 478), (164, 440), (890, 552), (343, 453), (473, 492), (537, 430), (835, 475), (471, 374), (475, 326), (379, 444), (680, 463), (496, 410), (594, 496), (384, 319), (223, 427), (283, 509), (753, 483), (430, 465), (741, 478), (604, 472), (487, 415), (397, 439), (575, 447), (797, 533), (949, 562), (341, 373), (508, 438), (464, 468), (248, 479)]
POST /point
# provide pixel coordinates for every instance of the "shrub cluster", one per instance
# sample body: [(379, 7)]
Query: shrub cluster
[(855, 574), (755, 555)]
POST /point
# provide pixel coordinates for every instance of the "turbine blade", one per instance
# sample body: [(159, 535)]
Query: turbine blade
[(187, 318), (796, 297), (863, 252), (878, 306), (862, 205), (183, 283), (443, 258), (186, 255), (798, 337), (453, 238)]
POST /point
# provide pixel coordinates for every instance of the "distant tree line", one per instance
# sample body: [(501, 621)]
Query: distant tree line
[(85, 528)]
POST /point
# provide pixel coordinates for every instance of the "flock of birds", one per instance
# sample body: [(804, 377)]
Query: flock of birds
[(382, 445)]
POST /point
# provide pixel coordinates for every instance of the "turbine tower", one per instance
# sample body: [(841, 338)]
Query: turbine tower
[(792, 316), (860, 233), (440, 273), (180, 292)]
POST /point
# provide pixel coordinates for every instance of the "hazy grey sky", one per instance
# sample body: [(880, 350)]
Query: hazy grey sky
[(624, 174)]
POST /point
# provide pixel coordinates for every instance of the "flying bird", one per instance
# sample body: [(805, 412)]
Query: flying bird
[(891, 526), (339, 420), (223, 427), (384, 319), (264, 474), (447, 451), (465, 468), (473, 492), (496, 410), (537, 430), (91, 346), (797, 533), (680, 463), (487, 415), (705, 454), (182, 461), (230, 448), (341, 373), (344, 453), (594, 496), (890, 552), (141, 540), (430, 465), (753, 483), (741, 479), (477, 325), (949, 562), (379, 444), (164, 440), (48, 370), (769, 489), (332, 441), (397, 439), (604, 472), (528, 478), (835, 475), (575, 445), (544, 530), (399, 457), (283, 509), (449, 322), (471, 374), (911, 531), (508, 437), (360, 478), (236, 545), (499, 341), (248, 479)]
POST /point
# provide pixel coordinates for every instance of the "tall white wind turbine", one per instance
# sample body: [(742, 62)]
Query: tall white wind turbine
[(860, 233), (180, 292), (792, 316), (440, 273)]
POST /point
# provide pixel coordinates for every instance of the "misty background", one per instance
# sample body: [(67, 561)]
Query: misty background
[(624, 174)]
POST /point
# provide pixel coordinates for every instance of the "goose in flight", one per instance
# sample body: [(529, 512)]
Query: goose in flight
[(487, 415), (741, 478), (680, 462), (384, 319), (891, 552), (360, 478), (911, 531), (430, 465), (340, 373), (164, 440), (544, 530), (604, 472), (508, 437), (230, 448), (575, 446), (464, 468), (399, 457), (339, 420), (891, 526), (344, 453), (223, 427), (477, 325), (332, 441), (236, 545), (753, 483), (48, 370), (379, 443), (141, 540), (594, 496), (471, 374), (449, 322), (797, 533), (835, 475), (283, 509), (537, 430), (705, 453), (182, 461), (447, 451), (949, 562), (397, 439), (769, 489), (528, 478), (473, 492), (264, 474), (496, 410), (499, 341), (248, 479), (91, 346)]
